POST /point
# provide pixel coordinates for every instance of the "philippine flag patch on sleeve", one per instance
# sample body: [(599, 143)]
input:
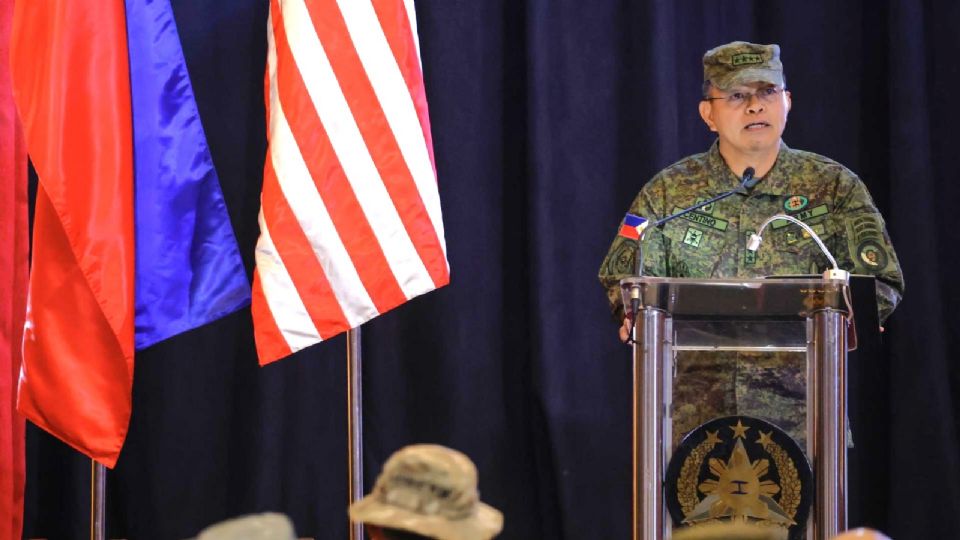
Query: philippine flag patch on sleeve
[(631, 226)]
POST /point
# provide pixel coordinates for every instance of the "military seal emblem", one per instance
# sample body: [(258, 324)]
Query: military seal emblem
[(740, 468)]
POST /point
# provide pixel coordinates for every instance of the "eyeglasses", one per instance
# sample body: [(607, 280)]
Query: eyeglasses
[(767, 94)]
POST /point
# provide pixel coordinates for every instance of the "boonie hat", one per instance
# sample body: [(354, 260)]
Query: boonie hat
[(430, 490), (266, 526), (739, 63)]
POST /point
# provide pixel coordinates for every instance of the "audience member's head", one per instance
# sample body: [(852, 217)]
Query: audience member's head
[(862, 534), (269, 526), (427, 491)]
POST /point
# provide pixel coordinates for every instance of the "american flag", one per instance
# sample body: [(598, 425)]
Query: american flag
[(350, 222)]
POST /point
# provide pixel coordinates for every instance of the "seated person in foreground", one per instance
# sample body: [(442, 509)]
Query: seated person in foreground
[(427, 491)]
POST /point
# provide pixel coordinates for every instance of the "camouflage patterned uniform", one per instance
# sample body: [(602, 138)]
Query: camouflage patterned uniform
[(711, 243)]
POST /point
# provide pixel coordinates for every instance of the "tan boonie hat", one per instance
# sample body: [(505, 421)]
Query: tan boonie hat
[(430, 490), (740, 63), (267, 526)]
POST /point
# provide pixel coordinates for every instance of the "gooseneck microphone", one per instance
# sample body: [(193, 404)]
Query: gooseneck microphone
[(747, 182), (748, 179)]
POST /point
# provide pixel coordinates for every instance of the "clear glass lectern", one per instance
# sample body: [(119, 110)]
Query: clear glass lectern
[(808, 314)]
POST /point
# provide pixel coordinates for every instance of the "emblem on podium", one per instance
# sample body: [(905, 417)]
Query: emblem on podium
[(739, 468)]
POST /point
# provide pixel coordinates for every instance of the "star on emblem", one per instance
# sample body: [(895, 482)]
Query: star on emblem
[(739, 430), (765, 439), (713, 438)]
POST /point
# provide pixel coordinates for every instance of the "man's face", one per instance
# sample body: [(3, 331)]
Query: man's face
[(749, 119)]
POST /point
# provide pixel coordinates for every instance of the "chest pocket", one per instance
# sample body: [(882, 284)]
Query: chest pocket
[(798, 248), (694, 248)]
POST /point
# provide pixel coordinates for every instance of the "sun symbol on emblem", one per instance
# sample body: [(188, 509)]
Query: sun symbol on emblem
[(739, 491)]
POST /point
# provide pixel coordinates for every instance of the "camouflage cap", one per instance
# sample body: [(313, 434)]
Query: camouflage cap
[(739, 63)]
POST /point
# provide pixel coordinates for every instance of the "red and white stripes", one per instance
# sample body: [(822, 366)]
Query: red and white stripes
[(350, 214)]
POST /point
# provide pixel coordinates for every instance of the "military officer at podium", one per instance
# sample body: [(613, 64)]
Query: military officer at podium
[(746, 103)]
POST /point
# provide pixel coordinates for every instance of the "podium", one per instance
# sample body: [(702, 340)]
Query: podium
[(803, 314)]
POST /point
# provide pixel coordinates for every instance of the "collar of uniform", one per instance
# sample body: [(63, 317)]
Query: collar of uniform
[(772, 183)]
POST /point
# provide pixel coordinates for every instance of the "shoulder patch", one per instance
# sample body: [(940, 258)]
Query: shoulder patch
[(631, 226), (621, 259), (872, 254)]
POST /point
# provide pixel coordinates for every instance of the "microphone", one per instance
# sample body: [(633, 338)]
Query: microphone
[(747, 182)]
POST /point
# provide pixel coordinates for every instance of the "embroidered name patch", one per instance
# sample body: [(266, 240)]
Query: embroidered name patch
[(810, 213), (704, 219)]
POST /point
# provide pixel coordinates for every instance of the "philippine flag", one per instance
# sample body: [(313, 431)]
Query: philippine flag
[(132, 242), (631, 226)]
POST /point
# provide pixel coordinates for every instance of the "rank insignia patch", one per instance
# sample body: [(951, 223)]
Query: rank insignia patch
[(740, 468), (872, 255), (749, 257), (746, 58), (693, 237), (795, 203)]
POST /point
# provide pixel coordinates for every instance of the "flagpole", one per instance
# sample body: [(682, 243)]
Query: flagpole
[(355, 424), (98, 490)]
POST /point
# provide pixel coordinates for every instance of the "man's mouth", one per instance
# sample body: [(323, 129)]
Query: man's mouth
[(756, 125)]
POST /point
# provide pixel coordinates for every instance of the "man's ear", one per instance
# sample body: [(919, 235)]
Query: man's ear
[(789, 104), (706, 113)]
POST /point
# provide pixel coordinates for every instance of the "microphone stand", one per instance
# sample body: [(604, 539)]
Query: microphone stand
[(746, 184)]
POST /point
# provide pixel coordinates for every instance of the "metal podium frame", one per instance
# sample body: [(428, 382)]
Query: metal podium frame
[(823, 303)]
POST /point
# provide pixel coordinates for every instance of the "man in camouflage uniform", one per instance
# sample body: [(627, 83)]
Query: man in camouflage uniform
[(746, 104)]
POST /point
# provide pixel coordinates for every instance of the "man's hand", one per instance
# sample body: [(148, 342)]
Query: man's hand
[(625, 330)]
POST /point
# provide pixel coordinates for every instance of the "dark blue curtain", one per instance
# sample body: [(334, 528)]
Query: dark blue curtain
[(548, 116)]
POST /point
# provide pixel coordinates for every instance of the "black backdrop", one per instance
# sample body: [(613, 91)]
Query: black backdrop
[(548, 116)]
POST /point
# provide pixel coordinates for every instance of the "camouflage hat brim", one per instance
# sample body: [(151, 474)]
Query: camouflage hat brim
[(485, 523), (747, 76)]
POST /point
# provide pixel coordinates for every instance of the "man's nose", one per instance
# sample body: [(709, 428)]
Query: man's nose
[(754, 105)]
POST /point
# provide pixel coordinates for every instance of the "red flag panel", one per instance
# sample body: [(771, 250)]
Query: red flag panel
[(14, 250), (71, 82)]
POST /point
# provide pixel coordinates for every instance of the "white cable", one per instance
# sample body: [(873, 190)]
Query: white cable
[(755, 238), (754, 244)]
